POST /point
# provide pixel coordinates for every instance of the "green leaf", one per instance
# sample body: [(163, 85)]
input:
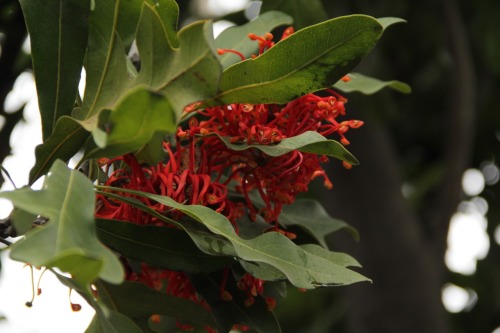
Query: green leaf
[(105, 319), (154, 48), (310, 216), (368, 85), (106, 62), (168, 10), (388, 21), (58, 33), (307, 142), (205, 240), (228, 313), (109, 321), (340, 258), (303, 269), (263, 271), (64, 143), (162, 247), (236, 38), (304, 13), (22, 221), (138, 301), (126, 20), (68, 241), (152, 152), (184, 75), (311, 59), (132, 124)]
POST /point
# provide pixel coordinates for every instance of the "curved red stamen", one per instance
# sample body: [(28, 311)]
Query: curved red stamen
[(224, 51)]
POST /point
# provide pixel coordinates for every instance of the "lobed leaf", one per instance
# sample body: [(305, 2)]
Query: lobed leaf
[(58, 33), (68, 241), (106, 62), (168, 10), (368, 85)]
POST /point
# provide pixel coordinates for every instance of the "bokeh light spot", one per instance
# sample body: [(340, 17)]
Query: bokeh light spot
[(467, 242), (455, 299), (491, 173), (473, 182)]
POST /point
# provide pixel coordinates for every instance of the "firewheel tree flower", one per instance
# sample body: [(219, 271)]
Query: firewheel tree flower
[(187, 200), (200, 169)]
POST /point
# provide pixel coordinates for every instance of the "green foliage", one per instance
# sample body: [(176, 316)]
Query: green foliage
[(134, 110), (368, 85), (158, 246), (58, 31), (257, 316), (307, 142), (302, 268), (132, 124), (323, 54), (312, 217), (235, 38), (139, 302), (68, 241)]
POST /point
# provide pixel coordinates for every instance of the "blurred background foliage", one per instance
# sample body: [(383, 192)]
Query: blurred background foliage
[(413, 150)]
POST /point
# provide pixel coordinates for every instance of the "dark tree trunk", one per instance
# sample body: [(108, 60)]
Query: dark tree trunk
[(406, 274)]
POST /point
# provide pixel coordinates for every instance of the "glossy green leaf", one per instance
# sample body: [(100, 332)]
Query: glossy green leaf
[(310, 216), (228, 313), (106, 64), (236, 38), (307, 142), (368, 85), (311, 59), (68, 241), (304, 13), (138, 301), (132, 124), (303, 269), (64, 143), (58, 33), (162, 247)]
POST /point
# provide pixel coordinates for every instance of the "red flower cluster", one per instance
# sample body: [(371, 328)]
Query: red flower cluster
[(200, 169)]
